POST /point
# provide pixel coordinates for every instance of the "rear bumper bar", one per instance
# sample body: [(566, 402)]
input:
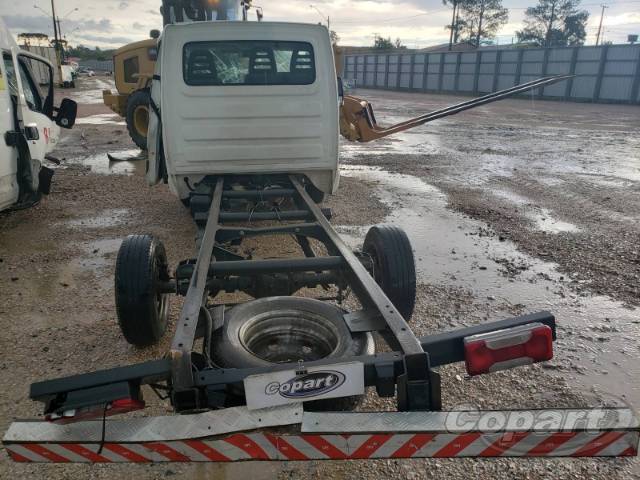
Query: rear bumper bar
[(218, 436), (381, 370)]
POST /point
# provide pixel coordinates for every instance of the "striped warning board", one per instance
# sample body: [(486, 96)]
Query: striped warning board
[(330, 436), (264, 446)]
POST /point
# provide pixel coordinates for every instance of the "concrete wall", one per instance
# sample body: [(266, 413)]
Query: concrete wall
[(607, 74)]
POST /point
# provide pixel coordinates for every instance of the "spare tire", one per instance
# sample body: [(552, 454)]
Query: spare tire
[(276, 330), (138, 117)]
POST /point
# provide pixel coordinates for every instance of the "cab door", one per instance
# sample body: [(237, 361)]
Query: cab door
[(34, 110), (8, 156)]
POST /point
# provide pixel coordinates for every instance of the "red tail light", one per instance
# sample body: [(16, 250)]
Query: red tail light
[(512, 347), (116, 407)]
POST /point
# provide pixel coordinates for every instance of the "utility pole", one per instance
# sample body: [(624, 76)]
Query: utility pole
[(454, 25), (322, 15), (457, 27), (547, 39), (600, 26)]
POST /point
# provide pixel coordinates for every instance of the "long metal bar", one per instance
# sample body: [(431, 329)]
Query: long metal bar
[(309, 230), (489, 98), (182, 344), (141, 373), (443, 349), (397, 324), (261, 216), (259, 194), (277, 265)]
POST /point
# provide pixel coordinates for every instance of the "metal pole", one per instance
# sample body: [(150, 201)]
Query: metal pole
[(600, 26), (453, 24)]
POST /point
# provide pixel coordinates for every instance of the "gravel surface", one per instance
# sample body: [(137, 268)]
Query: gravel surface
[(58, 317)]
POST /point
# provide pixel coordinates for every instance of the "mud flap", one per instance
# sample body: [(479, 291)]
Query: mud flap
[(156, 170)]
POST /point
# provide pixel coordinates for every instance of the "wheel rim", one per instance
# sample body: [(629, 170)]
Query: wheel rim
[(283, 336), (141, 120), (161, 299), (375, 263), (162, 305)]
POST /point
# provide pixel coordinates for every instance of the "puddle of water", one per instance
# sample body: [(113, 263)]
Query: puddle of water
[(93, 94), (105, 219), (541, 217), (546, 223), (405, 143), (101, 164), (452, 249), (101, 119)]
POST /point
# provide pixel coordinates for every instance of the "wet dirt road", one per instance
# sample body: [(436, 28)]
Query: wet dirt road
[(498, 225)]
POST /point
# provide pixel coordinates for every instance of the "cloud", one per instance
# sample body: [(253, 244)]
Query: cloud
[(116, 41), (416, 22)]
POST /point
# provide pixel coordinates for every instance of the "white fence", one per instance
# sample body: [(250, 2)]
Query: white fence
[(607, 74)]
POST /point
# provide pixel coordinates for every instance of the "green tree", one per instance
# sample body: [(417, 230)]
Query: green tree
[(398, 44), (481, 19), (381, 43), (554, 23), (335, 38)]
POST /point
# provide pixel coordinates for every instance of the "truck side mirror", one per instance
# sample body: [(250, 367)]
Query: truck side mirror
[(154, 33), (66, 113), (340, 88)]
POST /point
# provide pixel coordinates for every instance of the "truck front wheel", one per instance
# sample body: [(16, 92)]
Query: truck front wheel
[(141, 305), (138, 117)]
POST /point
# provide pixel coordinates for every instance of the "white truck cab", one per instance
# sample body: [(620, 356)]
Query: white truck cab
[(244, 98), (29, 124)]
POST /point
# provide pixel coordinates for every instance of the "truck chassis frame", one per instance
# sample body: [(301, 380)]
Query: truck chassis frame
[(408, 372)]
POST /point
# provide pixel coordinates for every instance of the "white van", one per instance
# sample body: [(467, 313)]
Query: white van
[(29, 123), (244, 98)]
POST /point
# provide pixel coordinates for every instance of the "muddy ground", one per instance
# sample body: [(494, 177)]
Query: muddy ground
[(516, 207)]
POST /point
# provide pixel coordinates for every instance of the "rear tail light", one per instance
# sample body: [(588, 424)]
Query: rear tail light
[(512, 347), (116, 407)]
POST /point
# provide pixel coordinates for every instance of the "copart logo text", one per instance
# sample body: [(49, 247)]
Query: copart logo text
[(307, 385)]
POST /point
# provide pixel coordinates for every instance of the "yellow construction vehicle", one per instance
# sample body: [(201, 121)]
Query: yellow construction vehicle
[(133, 69)]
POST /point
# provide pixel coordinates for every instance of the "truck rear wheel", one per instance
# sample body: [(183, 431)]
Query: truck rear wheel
[(277, 330), (393, 265), (138, 117), (142, 308)]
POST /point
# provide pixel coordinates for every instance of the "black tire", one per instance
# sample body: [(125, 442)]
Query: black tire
[(143, 311), (393, 265), (231, 344), (137, 103)]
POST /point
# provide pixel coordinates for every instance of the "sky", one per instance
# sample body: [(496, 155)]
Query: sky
[(418, 23)]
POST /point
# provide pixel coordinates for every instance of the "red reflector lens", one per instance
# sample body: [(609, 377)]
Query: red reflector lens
[(512, 347), (123, 405)]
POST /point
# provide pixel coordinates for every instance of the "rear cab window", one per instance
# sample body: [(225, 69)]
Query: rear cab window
[(248, 62)]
